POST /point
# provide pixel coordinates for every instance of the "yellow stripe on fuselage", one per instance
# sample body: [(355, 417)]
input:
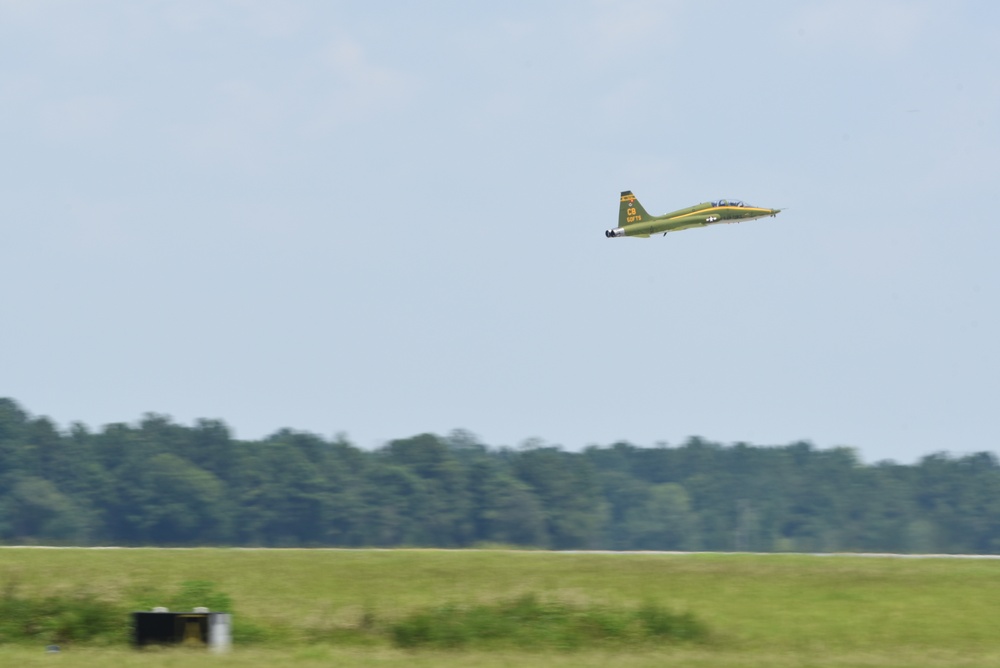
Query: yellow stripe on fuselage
[(715, 208)]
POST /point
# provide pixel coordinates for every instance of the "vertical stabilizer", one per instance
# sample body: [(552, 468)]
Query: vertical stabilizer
[(630, 211)]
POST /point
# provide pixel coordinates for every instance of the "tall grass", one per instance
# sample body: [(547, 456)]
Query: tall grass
[(82, 617), (78, 617), (760, 609), (527, 622), (523, 622)]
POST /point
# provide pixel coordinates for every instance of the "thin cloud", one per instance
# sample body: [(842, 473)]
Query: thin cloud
[(620, 28), (884, 28), (355, 86), (80, 118)]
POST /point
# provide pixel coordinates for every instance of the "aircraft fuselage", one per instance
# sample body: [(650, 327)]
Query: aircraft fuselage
[(633, 221)]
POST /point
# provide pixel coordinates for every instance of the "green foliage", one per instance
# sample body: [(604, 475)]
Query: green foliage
[(199, 593), (60, 619), (528, 622), (160, 483)]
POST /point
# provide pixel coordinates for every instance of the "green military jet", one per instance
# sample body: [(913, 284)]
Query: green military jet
[(633, 221)]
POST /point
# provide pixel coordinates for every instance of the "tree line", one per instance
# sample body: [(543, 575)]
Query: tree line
[(161, 483)]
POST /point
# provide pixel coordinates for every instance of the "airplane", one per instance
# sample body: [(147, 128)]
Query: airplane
[(633, 221)]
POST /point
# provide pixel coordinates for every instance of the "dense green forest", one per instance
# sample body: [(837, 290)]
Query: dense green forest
[(161, 483)]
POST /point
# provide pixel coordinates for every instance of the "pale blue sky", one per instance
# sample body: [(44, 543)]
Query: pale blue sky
[(386, 218)]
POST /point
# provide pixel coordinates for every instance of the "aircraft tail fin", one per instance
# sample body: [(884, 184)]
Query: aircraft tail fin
[(630, 211)]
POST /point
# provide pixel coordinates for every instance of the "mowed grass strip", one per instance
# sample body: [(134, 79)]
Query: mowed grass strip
[(792, 605), (326, 656)]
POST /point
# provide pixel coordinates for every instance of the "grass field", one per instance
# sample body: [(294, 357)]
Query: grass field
[(310, 607)]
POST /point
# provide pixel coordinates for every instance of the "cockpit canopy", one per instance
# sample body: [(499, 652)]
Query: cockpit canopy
[(729, 202)]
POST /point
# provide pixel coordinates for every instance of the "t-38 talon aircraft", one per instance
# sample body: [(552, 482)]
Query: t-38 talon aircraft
[(633, 221)]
